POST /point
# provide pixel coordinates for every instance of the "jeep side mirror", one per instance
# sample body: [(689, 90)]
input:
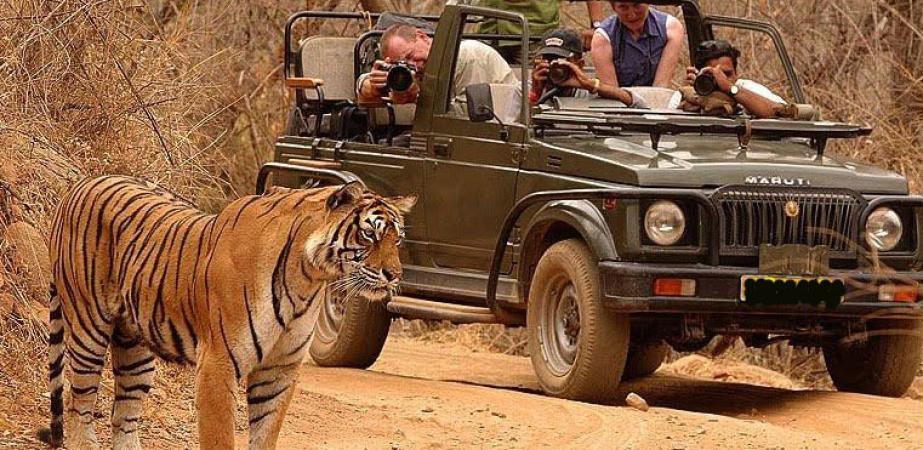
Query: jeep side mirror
[(480, 102)]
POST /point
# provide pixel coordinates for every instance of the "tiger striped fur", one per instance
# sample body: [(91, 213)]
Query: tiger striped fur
[(143, 272)]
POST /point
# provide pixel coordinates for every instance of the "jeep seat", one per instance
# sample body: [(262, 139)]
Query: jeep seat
[(329, 58)]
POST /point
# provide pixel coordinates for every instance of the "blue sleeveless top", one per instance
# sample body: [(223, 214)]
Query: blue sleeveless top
[(636, 61)]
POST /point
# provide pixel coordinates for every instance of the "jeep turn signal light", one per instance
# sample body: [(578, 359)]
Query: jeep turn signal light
[(897, 293), (674, 287)]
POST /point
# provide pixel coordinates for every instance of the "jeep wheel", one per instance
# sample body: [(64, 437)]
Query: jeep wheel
[(349, 333), (884, 364), (577, 347), (644, 358)]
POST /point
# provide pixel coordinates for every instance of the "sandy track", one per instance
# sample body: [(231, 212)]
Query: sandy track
[(427, 396)]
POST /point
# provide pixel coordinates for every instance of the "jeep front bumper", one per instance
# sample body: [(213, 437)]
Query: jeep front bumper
[(629, 287)]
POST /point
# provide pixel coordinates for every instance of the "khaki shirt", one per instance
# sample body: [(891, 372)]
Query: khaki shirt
[(477, 63)]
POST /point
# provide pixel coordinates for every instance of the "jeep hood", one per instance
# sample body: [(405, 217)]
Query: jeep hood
[(706, 161)]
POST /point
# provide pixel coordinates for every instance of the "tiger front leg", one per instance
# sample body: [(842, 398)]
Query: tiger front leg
[(271, 385), (216, 382)]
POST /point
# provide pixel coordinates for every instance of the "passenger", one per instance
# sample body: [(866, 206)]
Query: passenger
[(719, 58), (637, 46), (476, 63), (565, 47)]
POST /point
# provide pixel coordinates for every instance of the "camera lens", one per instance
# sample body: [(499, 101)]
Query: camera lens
[(705, 84), (400, 78), (559, 73)]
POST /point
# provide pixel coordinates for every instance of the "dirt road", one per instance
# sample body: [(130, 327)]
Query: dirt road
[(427, 396)]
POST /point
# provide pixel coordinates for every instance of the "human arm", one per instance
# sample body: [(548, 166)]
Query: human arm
[(596, 11), (596, 86), (676, 35), (597, 15), (603, 60), (756, 104)]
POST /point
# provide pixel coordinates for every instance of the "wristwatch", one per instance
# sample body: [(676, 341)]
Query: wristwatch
[(596, 23), (734, 90)]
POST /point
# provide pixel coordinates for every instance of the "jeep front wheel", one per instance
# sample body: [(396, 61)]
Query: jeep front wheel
[(349, 333), (885, 363), (578, 348)]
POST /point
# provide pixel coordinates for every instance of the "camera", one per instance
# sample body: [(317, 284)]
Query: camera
[(400, 75), (705, 83), (559, 73)]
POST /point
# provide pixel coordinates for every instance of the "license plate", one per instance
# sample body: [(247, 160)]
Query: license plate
[(791, 290)]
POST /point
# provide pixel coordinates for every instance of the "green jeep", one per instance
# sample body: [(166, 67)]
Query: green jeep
[(610, 233)]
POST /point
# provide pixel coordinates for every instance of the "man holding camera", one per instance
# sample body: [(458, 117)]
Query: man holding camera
[(559, 65), (476, 63), (716, 70)]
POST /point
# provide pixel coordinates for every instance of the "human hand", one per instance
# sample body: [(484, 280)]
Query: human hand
[(408, 96), (374, 84), (721, 79), (578, 79), (691, 73), (539, 74)]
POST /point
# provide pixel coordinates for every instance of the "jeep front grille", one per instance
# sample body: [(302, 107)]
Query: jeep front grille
[(751, 216)]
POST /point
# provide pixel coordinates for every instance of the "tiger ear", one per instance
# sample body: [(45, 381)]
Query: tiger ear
[(404, 203), (347, 194)]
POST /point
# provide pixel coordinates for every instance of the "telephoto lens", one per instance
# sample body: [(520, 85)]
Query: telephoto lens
[(400, 76), (559, 73), (705, 83)]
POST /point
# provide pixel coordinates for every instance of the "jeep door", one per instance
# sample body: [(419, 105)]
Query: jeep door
[(470, 168)]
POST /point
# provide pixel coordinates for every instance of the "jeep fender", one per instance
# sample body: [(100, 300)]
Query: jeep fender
[(580, 218)]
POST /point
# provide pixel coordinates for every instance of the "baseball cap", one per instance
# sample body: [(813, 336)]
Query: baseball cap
[(562, 42)]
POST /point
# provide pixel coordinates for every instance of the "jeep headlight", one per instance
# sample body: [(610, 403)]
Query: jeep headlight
[(883, 229), (664, 222)]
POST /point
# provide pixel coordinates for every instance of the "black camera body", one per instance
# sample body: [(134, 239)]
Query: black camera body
[(705, 83), (558, 73), (400, 75)]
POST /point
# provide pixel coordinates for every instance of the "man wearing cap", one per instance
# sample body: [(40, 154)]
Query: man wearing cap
[(564, 47)]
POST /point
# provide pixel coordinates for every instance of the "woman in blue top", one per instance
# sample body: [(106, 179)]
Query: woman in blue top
[(638, 46)]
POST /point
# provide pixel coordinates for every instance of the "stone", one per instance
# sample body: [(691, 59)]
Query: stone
[(636, 402)]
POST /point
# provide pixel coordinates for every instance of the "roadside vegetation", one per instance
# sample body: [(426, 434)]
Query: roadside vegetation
[(187, 93)]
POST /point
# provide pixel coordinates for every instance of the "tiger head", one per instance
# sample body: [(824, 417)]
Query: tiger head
[(359, 249)]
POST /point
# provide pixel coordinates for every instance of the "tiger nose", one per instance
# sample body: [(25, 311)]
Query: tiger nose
[(391, 275)]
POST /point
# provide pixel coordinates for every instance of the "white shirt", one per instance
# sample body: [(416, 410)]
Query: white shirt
[(749, 85)]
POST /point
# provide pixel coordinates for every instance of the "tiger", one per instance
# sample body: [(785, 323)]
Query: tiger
[(143, 272)]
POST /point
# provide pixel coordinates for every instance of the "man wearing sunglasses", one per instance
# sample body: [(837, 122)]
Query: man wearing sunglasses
[(719, 58)]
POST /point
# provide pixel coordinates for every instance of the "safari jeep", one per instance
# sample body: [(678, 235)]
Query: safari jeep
[(611, 233)]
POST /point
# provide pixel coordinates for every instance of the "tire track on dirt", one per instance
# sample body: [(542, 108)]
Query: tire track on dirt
[(430, 396)]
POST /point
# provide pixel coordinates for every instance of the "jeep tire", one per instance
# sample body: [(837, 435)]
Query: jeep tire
[(350, 333), (883, 364), (577, 347), (644, 358)]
